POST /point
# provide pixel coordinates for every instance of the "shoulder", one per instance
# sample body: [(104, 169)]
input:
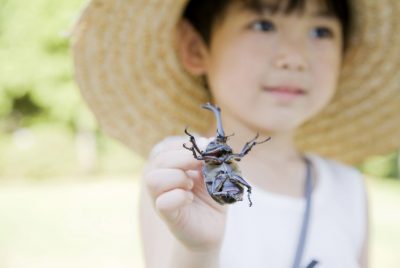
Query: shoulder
[(347, 191), (340, 168), (342, 184), (339, 173)]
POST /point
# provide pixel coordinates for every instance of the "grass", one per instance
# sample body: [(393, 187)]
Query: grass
[(94, 224), (48, 152), (385, 229), (69, 225)]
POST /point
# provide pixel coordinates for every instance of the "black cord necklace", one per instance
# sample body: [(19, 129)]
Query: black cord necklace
[(306, 218)]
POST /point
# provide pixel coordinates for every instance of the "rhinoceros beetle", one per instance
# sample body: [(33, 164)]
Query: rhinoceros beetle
[(221, 173)]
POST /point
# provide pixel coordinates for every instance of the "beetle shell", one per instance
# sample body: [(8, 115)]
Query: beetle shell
[(222, 183)]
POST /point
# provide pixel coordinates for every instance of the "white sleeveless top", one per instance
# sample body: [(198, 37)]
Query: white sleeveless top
[(266, 234)]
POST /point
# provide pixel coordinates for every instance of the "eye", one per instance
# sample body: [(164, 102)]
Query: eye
[(262, 25), (322, 32)]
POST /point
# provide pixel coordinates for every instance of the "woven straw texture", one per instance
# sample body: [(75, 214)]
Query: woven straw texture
[(129, 74)]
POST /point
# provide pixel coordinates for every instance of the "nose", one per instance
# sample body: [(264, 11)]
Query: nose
[(291, 63), (291, 58)]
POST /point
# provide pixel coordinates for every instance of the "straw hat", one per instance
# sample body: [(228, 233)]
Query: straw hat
[(129, 74)]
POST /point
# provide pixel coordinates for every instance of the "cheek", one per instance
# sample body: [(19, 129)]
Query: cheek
[(229, 73), (326, 73)]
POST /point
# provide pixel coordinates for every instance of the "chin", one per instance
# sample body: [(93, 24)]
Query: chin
[(279, 123), (270, 128)]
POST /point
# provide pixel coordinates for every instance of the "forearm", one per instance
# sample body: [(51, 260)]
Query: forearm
[(183, 258)]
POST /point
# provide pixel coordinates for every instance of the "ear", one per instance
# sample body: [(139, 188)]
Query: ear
[(191, 48)]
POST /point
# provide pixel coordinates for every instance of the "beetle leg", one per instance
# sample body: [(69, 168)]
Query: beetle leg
[(193, 141), (194, 152), (218, 183), (195, 149), (247, 147), (202, 156), (237, 179)]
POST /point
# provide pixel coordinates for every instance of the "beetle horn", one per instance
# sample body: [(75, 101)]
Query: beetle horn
[(217, 113)]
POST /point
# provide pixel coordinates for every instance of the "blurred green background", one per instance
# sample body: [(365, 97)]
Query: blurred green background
[(68, 194)]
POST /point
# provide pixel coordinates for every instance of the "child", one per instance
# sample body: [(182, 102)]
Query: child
[(307, 73)]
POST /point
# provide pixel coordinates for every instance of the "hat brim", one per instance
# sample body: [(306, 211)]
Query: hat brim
[(127, 68)]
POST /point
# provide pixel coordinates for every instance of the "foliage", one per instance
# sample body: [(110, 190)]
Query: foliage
[(36, 82), (382, 166), (42, 115)]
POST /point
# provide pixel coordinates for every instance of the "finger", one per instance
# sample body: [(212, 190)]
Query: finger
[(194, 174), (175, 159), (164, 180), (171, 154), (169, 143), (176, 142), (168, 204)]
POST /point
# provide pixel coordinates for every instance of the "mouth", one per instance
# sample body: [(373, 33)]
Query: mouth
[(285, 90)]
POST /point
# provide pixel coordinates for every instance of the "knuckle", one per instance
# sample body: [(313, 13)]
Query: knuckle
[(171, 159), (170, 200), (149, 179), (153, 181), (169, 143), (202, 143), (159, 181), (157, 149), (163, 160), (163, 204)]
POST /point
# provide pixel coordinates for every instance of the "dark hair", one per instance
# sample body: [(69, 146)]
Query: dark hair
[(203, 14)]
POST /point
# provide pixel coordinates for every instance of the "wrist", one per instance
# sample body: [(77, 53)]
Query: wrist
[(185, 257)]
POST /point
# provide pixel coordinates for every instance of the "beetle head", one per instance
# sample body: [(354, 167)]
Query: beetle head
[(218, 148)]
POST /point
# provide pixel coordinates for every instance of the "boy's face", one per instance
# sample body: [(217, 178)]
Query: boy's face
[(272, 71)]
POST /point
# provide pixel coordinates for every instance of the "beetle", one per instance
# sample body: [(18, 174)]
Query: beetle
[(220, 170)]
